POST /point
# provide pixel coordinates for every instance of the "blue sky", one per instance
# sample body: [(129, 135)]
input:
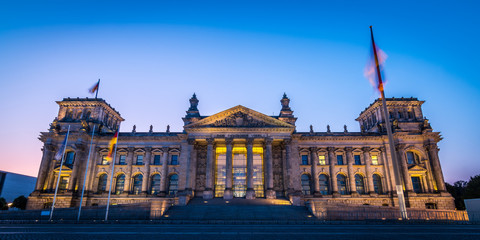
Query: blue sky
[(152, 56)]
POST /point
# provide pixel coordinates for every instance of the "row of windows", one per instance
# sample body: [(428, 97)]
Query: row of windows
[(137, 181), (343, 188), (139, 160), (340, 160)]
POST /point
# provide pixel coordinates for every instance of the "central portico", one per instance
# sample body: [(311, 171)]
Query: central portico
[(239, 150)]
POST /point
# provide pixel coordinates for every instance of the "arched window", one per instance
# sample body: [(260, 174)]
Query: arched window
[(323, 182), (377, 184), (120, 184), (69, 158), (137, 184), (173, 184), (412, 158), (342, 184), (87, 116), (360, 184), (102, 183), (155, 184), (306, 185)]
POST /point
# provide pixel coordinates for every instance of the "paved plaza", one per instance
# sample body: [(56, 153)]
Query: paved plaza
[(264, 232)]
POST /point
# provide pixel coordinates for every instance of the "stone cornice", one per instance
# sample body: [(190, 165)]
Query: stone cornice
[(90, 102)]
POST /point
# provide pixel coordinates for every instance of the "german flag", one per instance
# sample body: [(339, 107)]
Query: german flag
[(111, 145), (94, 88)]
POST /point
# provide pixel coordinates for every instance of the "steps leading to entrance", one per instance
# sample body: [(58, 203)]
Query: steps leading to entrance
[(239, 209)]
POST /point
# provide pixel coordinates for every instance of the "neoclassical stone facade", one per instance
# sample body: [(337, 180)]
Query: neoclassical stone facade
[(241, 153)]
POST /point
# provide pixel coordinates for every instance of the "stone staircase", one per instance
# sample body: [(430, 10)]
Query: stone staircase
[(239, 210)]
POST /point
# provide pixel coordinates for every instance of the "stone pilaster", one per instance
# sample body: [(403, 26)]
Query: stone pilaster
[(351, 175), (74, 182), (333, 175), (146, 177), (48, 150), (228, 194), (210, 174), (250, 194), (404, 168), (188, 178), (128, 173), (437, 169), (314, 171), (164, 179), (368, 169), (270, 193)]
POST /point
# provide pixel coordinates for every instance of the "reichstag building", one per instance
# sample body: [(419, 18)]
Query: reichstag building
[(241, 153)]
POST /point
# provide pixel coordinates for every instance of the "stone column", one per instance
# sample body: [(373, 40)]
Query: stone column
[(146, 177), (404, 168), (44, 166), (96, 158), (387, 184), (333, 175), (368, 169), (428, 176), (351, 175), (188, 178), (77, 164), (210, 174), (270, 194), (128, 173), (228, 194), (437, 169), (164, 179), (314, 169), (288, 159), (250, 194)]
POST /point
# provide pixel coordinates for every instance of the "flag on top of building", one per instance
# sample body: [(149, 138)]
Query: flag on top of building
[(94, 88), (370, 71)]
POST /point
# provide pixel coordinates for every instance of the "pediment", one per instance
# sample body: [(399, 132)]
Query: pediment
[(64, 169), (239, 117), (416, 168)]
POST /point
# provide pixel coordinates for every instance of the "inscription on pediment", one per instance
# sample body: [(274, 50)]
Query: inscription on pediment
[(238, 119)]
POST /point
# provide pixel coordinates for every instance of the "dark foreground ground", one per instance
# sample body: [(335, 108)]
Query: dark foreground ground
[(252, 231)]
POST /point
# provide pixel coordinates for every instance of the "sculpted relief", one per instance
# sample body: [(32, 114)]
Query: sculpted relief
[(238, 119)]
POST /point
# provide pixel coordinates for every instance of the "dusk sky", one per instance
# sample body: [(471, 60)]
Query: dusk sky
[(151, 57)]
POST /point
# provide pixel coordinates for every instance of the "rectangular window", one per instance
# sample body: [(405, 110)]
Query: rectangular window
[(304, 159), (63, 183), (174, 160), (374, 160), (122, 160), (156, 160), (357, 159), (339, 159), (139, 160), (417, 185), (321, 160), (104, 160)]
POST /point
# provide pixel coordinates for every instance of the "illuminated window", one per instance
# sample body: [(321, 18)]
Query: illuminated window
[(139, 160), (306, 184), (359, 184), (339, 159), (120, 184), (174, 160), (69, 158), (63, 183), (157, 160), (304, 159), (374, 160), (377, 184), (102, 183), (342, 184), (321, 160), (410, 115), (104, 160), (357, 159), (137, 184), (323, 182), (173, 185), (155, 184), (122, 160)]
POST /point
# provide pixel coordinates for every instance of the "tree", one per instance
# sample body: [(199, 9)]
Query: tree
[(20, 202), (458, 191), (3, 204), (472, 190)]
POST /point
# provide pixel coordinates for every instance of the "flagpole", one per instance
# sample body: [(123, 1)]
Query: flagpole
[(59, 174), (111, 175), (98, 88), (85, 177), (398, 180)]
